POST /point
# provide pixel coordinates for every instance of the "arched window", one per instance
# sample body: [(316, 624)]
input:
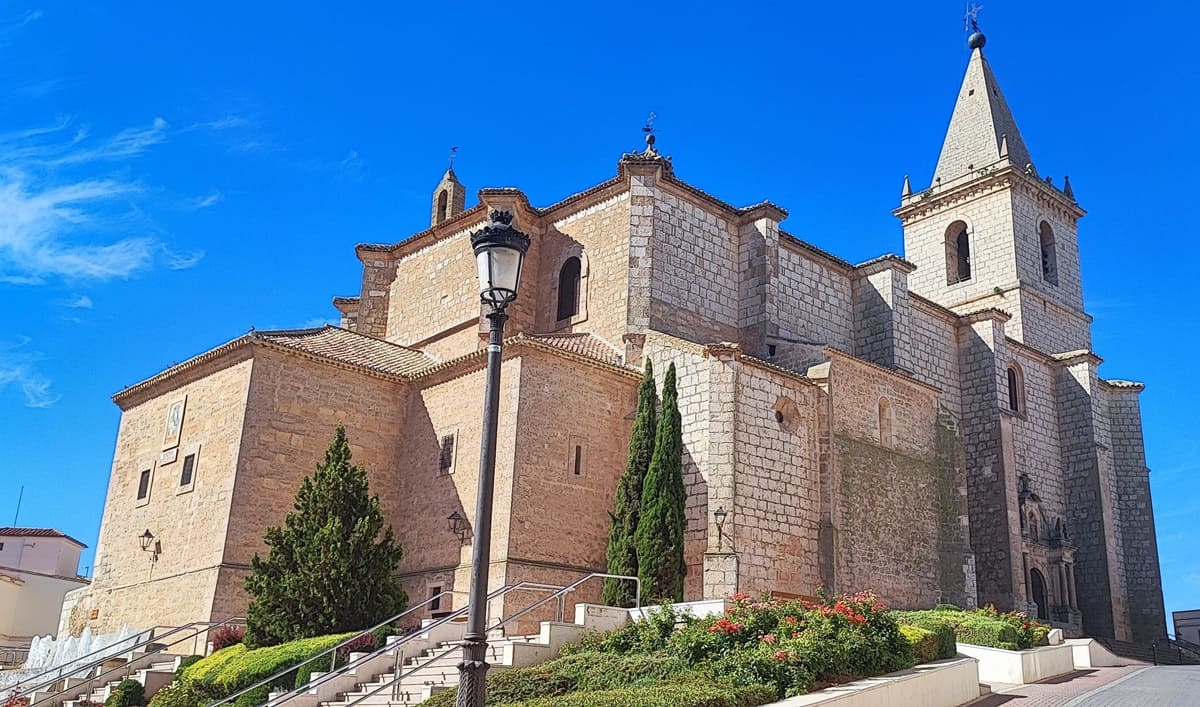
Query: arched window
[(568, 289), (958, 253), (1049, 256), (1014, 389), (443, 208), (885, 421)]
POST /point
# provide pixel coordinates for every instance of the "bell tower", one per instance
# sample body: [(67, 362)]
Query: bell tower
[(990, 232), (449, 198)]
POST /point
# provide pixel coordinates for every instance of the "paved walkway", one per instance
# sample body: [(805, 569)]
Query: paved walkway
[(1129, 686), (1057, 692), (1162, 686)]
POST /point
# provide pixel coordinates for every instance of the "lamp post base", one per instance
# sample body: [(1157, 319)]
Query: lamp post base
[(472, 673)]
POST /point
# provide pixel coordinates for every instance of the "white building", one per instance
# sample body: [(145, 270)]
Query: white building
[(38, 566)]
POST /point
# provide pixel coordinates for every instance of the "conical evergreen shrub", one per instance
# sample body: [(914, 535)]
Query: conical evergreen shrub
[(661, 527), (331, 567), (622, 546)]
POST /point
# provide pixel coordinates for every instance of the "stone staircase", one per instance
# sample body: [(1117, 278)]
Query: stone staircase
[(1162, 652), (153, 670), (410, 673)]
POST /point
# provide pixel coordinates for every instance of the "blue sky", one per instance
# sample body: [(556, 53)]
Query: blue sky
[(169, 178)]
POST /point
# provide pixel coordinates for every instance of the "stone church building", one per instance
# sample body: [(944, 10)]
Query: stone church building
[(932, 426)]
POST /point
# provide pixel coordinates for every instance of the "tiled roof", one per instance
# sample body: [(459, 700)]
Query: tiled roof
[(11, 532), (583, 344), (346, 346)]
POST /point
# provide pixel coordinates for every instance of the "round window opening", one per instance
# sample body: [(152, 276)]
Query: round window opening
[(787, 414)]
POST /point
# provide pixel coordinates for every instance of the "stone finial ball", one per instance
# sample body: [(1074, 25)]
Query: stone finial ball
[(650, 139), (976, 40)]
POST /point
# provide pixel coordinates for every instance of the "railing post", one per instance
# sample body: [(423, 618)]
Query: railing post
[(1154, 650)]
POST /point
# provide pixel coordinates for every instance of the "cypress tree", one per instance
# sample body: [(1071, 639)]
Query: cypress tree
[(661, 527), (622, 549), (331, 566)]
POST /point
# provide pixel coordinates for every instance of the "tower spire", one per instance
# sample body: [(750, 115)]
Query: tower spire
[(982, 128)]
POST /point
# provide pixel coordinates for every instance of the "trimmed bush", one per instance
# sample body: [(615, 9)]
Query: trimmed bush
[(662, 696), (924, 644), (180, 693), (933, 622), (982, 627), (127, 693), (185, 663), (254, 698), (200, 671)]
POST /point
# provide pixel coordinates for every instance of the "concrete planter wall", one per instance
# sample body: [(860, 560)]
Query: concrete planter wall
[(946, 683), (1020, 667)]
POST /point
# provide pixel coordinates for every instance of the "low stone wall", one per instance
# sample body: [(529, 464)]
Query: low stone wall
[(1088, 653), (946, 683), (997, 665)]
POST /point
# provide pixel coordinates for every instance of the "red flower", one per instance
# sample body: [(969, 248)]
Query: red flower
[(740, 596), (781, 655), (768, 638)]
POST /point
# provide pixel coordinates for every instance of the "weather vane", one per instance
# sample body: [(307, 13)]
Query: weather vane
[(971, 20), (453, 154)]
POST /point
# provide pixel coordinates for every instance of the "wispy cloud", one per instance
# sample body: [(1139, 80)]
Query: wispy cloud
[(51, 217), (78, 302), (17, 369), (350, 158), (182, 261), (203, 202)]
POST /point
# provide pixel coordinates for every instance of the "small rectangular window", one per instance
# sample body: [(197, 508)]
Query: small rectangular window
[(1, 547), (446, 454), (189, 465), (144, 485), (578, 460), (436, 604)]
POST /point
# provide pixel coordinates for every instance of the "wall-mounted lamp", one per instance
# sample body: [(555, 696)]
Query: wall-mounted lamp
[(719, 515), (149, 544), (459, 526)]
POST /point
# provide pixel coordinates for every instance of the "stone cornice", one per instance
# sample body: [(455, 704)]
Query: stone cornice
[(982, 315), (1071, 358), (1122, 386), (888, 261), (476, 360), (986, 180), (832, 353)]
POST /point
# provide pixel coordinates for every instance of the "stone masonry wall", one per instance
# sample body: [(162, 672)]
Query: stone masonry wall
[(445, 404), (883, 319), (694, 286), (774, 518), (811, 303), (991, 481), (293, 408), (1133, 512), (599, 235), (1088, 497), (988, 214), (1036, 447), (434, 289), (934, 354), (899, 493), (189, 522)]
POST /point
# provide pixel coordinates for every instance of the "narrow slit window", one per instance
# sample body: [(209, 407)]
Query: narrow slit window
[(1014, 389), (1049, 254), (143, 485), (885, 421), (435, 603), (446, 454), (578, 466), (443, 209), (189, 468)]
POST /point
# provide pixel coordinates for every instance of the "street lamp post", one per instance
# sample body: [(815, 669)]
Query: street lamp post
[(499, 252)]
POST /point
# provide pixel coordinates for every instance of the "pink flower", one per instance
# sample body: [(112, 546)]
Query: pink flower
[(781, 655), (768, 638)]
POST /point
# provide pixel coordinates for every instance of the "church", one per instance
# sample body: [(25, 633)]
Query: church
[(932, 426)]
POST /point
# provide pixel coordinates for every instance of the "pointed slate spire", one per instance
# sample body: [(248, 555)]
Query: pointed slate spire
[(1067, 188), (907, 190), (982, 125)]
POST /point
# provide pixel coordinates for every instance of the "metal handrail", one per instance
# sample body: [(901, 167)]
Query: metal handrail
[(333, 651), (110, 654), (203, 626), (558, 595)]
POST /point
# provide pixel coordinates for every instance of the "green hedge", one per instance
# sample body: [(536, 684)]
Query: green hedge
[(127, 693), (924, 644), (968, 627), (236, 668), (662, 696)]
